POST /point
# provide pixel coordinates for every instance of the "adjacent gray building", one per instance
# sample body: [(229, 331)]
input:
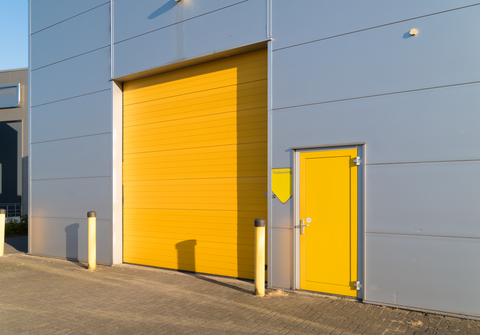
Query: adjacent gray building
[(352, 126), (14, 141)]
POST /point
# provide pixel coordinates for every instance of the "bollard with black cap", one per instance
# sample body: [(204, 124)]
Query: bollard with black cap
[(260, 225)]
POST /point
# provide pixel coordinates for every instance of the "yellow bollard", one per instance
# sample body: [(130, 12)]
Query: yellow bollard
[(3, 212), (260, 257), (92, 240)]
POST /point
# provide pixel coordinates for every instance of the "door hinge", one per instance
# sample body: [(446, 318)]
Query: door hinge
[(357, 285), (357, 160)]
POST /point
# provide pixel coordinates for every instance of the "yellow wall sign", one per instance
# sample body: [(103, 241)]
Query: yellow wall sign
[(282, 184)]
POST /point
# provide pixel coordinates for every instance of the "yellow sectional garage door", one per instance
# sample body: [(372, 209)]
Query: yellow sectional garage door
[(195, 166)]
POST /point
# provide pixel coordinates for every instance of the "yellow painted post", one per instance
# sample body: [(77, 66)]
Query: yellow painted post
[(92, 240), (260, 225), (3, 212)]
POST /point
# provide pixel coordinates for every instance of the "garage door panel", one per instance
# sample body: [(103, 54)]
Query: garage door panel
[(213, 184), (204, 130), (219, 260), (200, 109), (179, 102), (219, 133), (243, 152), (150, 216), (163, 159), (156, 162), (240, 228), (206, 194), (250, 66), (241, 272), (232, 118), (208, 201), (181, 143), (254, 116), (245, 70), (166, 245), (207, 226), (195, 166), (169, 251), (172, 175), (185, 95), (202, 164), (210, 253), (202, 232), (200, 238), (197, 105), (193, 205), (202, 265)]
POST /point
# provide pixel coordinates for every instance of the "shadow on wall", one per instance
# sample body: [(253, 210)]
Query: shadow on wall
[(162, 10), (251, 158), (186, 255), (71, 240)]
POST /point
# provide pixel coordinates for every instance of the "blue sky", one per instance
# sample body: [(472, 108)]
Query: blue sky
[(14, 34)]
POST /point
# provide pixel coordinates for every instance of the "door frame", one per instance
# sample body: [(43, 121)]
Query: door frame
[(361, 152)]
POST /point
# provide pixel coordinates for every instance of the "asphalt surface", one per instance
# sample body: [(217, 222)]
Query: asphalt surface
[(51, 296)]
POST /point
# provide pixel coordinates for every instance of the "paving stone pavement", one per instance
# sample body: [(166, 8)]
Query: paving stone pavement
[(50, 296)]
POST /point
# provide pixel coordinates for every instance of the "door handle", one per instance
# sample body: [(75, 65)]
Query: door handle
[(302, 230)]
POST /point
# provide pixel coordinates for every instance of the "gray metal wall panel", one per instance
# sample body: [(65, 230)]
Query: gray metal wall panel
[(72, 158), (431, 125), (49, 12), (67, 238), (80, 34), (282, 260), (71, 98), (136, 18), (225, 29), (404, 267), (140, 54), (85, 115), (424, 199), (437, 273), (293, 21), (71, 198), (74, 77), (282, 213), (380, 61)]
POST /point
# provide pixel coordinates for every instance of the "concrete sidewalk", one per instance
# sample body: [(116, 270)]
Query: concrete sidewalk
[(50, 296)]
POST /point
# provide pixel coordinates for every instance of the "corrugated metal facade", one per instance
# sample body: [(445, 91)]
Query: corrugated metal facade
[(337, 78), (195, 165)]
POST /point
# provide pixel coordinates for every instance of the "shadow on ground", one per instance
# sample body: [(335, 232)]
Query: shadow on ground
[(16, 244), (217, 282)]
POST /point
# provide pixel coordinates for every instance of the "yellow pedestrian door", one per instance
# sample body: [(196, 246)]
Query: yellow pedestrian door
[(328, 221)]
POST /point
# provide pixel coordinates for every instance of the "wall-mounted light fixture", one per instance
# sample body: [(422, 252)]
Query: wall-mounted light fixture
[(413, 32), (178, 0)]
